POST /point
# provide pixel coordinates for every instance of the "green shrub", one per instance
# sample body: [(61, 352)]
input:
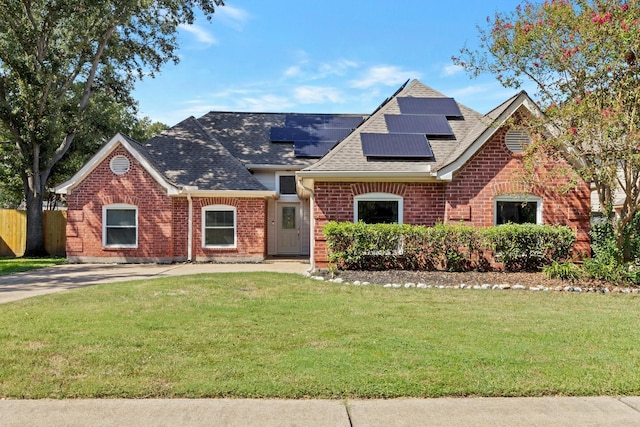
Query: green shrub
[(527, 247), (449, 247), (562, 270)]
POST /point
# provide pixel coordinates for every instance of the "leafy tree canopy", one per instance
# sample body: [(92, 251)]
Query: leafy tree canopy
[(55, 55), (583, 57)]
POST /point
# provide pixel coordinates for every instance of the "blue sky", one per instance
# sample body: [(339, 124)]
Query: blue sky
[(330, 56)]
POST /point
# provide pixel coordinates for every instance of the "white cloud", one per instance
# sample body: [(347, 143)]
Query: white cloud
[(264, 103), (233, 17), (317, 94), (200, 34), (388, 75), (339, 67), (293, 71), (451, 70)]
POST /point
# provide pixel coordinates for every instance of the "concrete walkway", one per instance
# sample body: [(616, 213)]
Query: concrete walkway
[(71, 276), (494, 412)]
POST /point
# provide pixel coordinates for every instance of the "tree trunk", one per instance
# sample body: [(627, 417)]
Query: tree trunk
[(35, 220)]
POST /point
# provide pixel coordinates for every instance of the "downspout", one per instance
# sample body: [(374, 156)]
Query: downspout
[(312, 226), (188, 189), (190, 229)]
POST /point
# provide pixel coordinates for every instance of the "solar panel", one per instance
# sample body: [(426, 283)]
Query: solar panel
[(395, 145), (342, 122), (431, 125), (334, 135), (312, 148), (445, 106), (327, 121), (288, 134)]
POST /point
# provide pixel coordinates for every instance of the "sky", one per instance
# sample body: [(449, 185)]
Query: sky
[(329, 56)]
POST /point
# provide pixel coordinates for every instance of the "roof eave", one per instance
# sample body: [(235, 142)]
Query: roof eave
[(354, 176), (254, 194)]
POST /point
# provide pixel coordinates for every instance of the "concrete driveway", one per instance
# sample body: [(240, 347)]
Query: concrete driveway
[(71, 276)]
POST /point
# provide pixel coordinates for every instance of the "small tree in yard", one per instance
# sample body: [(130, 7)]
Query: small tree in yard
[(55, 55), (584, 57)]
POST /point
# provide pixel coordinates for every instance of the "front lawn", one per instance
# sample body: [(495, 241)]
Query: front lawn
[(285, 336), (17, 265)]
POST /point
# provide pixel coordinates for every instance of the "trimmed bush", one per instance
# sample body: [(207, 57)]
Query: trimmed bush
[(528, 247), (448, 247)]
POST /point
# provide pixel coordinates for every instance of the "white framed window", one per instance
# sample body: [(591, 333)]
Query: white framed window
[(378, 208), (219, 226), (286, 186), (120, 226), (518, 209)]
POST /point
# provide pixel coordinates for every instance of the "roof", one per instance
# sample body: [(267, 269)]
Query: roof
[(188, 155), (470, 130), (247, 136)]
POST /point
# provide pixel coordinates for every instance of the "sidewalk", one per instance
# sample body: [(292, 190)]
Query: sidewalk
[(494, 412)]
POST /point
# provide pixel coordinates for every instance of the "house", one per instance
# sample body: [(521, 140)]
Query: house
[(231, 187)]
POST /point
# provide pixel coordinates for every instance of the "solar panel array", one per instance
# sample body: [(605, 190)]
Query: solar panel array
[(313, 135), (395, 145), (441, 106), (409, 131), (430, 125)]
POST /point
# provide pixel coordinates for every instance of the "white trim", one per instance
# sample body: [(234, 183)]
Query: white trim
[(287, 197), (378, 197), (115, 142), (423, 175), (220, 208), (518, 198), (118, 206), (290, 168), (257, 194)]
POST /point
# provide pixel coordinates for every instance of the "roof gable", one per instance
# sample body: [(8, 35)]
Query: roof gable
[(133, 148)]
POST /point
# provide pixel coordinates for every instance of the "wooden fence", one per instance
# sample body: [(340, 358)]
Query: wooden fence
[(13, 232)]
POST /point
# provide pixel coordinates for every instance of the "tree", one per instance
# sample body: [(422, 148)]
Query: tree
[(55, 55), (583, 58)]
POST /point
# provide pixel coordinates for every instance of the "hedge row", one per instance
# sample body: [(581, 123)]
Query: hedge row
[(448, 247)]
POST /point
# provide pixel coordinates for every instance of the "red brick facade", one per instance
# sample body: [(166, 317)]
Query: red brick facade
[(162, 220), (469, 197)]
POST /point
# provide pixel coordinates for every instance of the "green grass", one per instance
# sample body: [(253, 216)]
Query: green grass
[(17, 265), (284, 336)]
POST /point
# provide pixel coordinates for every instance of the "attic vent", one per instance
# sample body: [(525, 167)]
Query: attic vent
[(517, 140), (120, 165)]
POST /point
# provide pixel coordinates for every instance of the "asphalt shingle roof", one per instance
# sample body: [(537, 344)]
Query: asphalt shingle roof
[(187, 154), (348, 156)]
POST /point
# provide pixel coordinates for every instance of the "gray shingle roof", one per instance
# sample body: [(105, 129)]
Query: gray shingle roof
[(347, 156), (247, 137), (187, 154)]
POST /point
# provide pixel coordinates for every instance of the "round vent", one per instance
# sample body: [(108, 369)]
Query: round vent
[(517, 140), (120, 165)]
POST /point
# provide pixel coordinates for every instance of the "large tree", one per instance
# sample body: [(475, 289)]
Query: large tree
[(583, 57), (55, 55)]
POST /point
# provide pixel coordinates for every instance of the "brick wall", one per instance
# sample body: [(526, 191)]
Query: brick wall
[(162, 220), (468, 198), (495, 171), (423, 203), (251, 215)]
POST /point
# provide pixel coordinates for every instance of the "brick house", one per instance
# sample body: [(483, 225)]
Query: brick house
[(231, 187)]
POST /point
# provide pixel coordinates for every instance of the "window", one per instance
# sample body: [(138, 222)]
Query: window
[(219, 226), (287, 185), (377, 208), (518, 210), (120, 226)]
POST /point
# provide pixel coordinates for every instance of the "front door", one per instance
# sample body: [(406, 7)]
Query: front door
[(288, 228)]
